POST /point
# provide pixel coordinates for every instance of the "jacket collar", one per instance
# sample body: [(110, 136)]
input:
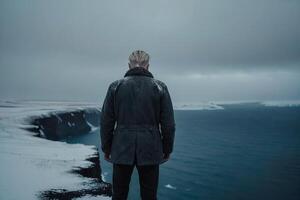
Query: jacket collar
[(138, 71)]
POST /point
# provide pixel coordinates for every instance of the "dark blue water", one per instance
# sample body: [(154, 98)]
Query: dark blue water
[(246, 151)]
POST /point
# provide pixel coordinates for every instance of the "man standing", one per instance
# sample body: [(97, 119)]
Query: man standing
[(137, 128)]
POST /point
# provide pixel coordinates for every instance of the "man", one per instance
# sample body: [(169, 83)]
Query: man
[(137, 128)]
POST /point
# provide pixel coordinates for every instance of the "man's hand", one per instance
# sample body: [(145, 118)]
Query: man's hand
[(107, 157), (166, 157)]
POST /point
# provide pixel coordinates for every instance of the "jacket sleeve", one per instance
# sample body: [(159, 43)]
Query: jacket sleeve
[(107, 121), (167, 122)]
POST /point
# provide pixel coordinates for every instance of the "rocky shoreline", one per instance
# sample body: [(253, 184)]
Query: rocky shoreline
[(59, 125)]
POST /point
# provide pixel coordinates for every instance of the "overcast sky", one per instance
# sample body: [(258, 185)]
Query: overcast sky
[(213, 50)]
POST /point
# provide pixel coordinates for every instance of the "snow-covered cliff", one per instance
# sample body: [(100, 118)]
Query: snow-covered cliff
[(43, 167)]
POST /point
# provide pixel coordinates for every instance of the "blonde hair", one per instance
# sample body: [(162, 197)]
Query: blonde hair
[(139, 58)]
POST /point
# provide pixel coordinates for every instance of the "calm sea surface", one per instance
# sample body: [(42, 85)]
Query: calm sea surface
[(246, 151)]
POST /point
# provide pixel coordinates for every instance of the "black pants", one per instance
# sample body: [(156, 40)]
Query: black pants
[(148, 178)]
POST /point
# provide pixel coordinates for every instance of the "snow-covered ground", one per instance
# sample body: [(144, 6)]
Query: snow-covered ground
[(219, 105), (30, 164), (198, 106), (281, 103)]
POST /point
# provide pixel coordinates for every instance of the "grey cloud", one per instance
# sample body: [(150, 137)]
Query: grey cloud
[(182, 37), (206, 32)]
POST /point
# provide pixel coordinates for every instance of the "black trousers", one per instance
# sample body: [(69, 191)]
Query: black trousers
[(148, 178)]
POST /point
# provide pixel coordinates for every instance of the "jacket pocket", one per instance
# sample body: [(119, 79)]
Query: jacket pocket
[(123, 145), (157, 140)]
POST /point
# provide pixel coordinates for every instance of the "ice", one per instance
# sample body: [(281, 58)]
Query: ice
[(93, 128), (281, 103), (93, 198), (219, 105), (170, 187), (103, 175), (198, 106)]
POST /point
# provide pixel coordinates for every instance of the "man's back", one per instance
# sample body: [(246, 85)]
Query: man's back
[(139, 104), (138, 99)]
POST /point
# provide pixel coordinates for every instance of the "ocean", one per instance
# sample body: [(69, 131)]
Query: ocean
[(244, 151)]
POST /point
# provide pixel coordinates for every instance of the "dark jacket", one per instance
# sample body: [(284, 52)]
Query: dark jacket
[(137, 119)]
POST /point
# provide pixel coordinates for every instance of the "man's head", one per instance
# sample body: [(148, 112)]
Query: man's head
[(138, 58)]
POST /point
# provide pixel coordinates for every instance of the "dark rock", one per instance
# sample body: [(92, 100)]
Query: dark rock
[(59, 125)]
